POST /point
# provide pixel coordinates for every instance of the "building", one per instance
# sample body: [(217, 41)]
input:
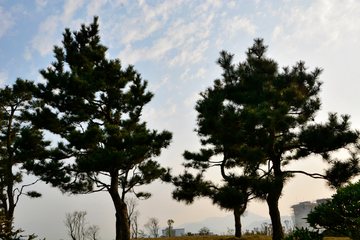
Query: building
[(301, 211), (176, 232)]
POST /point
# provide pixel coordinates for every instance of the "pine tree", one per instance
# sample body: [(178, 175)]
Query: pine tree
[(232, 196), (95, 106), (20, 143), (261, 119)]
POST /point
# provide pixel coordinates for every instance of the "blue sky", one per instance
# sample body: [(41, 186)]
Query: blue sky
[(174, 45)]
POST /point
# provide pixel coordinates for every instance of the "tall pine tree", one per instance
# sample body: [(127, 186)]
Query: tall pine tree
[(261, 119), (95, 106)]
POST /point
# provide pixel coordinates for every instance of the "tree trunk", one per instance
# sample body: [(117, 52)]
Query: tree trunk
[(237, 215), (273, 202), (121, 215)]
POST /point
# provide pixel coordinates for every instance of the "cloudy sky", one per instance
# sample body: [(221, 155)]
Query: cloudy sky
[(174, 45)]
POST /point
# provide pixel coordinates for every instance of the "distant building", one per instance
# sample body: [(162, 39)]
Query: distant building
[(176, 232), (301, 211)]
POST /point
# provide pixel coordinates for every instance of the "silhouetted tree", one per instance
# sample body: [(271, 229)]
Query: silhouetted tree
[(20, 142), (95, 106), (152, 225), (92, 232), (76, 225), (231, 196), (133, 216), (260, 119), (170, 222)]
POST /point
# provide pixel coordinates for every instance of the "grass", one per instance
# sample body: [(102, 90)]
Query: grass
[(251, 237)]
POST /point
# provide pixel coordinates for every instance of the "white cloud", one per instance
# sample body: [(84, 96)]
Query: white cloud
[(164, 80), (184, 74), (200, 74), (156, 52), (186, 36), (93, 8), (40, 4), (70, 7), (322, 23), (190, 101), (27, 53), (153, 113), (3, 77), (44, 40), (236, 24), (6, 21), (190, 55), (145, 20), (231, 4)]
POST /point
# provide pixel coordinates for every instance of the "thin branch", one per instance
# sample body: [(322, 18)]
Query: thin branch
[(21, 190), (313, 175)]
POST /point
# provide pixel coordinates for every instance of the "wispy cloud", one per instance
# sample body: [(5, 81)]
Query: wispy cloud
[(200, 74), (143, 20), (236, 24), (190, 101), (322, 23), (3, 77), (6, 21), (156, 114), (27, 53), (45, 38), (40, 4), (164, 80)]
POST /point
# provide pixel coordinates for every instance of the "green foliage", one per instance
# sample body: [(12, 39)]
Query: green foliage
[(204, 231), (7, 233), (259, 119), (95, 106), (341, 213), (304, 234), (21, 143), (169, 232)]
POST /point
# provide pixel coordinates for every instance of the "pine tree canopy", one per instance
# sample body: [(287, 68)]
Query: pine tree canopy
[(95, 106), (257, 119)]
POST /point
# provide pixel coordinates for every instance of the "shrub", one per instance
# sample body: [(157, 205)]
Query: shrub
[(341, 213)]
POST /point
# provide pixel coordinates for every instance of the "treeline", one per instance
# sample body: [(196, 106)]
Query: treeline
[(253, 122)]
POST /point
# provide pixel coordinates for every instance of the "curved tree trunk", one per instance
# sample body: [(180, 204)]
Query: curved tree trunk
[(121, 215), (273, 201)]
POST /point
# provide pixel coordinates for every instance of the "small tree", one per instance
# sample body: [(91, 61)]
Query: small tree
[(341, 213), (153, 227), (133, 216), (76, 224), (92, 232), (204, 231), (170, 222)]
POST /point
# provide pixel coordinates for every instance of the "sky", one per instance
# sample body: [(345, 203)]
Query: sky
[(174, 45)]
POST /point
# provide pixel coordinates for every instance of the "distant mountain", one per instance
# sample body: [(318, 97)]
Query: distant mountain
[(219, 225)]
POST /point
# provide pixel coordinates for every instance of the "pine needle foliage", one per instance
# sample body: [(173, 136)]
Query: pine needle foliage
[(259, 119), (95, 106)]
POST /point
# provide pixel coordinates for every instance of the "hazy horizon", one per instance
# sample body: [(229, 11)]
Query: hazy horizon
[(174, 45)]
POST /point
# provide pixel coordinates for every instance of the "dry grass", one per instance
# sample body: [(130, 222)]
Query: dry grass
[(251, 237)]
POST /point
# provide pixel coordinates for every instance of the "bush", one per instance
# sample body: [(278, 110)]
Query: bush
[(304, 234), (204, 231), (341, 213)]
